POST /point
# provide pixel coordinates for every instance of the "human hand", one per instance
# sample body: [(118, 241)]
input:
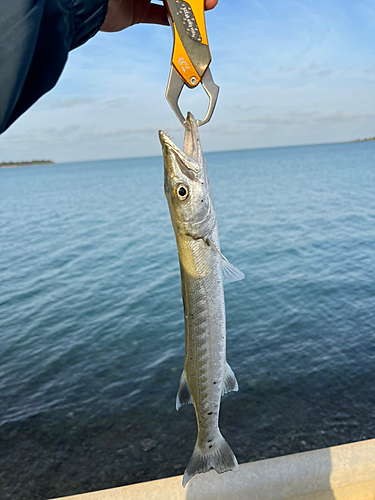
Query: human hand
[(124, 13)]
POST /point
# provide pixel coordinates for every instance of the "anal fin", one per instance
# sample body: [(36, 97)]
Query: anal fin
[(183, 393)]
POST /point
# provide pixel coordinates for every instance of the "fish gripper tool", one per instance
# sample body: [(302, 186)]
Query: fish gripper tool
[(191, 55)]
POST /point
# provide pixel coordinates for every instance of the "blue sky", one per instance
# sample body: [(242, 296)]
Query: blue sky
[(291, 72)]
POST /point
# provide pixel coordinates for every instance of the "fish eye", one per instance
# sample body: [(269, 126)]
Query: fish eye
[(182, 191)]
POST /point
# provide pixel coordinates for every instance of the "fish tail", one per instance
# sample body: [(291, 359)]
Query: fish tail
[(220, 457)]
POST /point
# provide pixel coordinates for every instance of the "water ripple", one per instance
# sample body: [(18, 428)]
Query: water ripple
[(91, 315)]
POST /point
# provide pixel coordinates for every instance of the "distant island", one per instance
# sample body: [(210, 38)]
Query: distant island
[(10, 164), (366, 139)]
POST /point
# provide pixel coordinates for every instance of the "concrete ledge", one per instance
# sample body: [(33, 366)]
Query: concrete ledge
[(344, 472)]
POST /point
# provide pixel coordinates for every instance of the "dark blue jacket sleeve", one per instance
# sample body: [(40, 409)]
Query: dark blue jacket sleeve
[(35, 38)]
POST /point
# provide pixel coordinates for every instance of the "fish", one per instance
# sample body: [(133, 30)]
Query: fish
[(204, 270)]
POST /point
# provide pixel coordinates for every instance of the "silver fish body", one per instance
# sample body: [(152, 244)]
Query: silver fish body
[(206, 375)]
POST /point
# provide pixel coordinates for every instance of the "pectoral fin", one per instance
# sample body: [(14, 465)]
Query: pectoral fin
[(183, 394), (228, 271)]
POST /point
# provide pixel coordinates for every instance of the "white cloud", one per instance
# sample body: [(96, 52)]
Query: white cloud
[(311, 69), (71, 103)]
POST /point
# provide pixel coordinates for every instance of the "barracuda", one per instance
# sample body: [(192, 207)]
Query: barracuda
[(204, 271)]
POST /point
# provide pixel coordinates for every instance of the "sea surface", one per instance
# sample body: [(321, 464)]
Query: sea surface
[(91, 319)]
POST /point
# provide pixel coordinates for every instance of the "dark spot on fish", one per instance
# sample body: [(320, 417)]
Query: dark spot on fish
[(209, 413), (202, 201), (210, 446), (215, 382), (209, 440)]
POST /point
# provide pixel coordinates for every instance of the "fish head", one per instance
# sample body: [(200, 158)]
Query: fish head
[(186, 183)]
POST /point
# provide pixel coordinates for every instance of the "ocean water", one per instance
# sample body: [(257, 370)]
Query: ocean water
[(91, 319)]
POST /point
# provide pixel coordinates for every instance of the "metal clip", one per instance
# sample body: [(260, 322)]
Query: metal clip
[(191, 55), (175, 86)]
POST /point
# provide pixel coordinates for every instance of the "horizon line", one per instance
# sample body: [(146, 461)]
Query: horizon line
[(224, 151), (372, 139)]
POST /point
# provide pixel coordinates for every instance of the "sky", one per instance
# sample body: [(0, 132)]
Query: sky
[(290, 73)]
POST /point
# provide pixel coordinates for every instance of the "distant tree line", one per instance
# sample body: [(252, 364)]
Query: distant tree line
[(365, 139), (25, 163)]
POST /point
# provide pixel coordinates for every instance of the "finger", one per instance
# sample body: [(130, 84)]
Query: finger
[(156, 14), (210, 4)]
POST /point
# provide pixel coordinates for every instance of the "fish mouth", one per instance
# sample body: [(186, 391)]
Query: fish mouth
[(177, 161), (192, 145), (170, 151), (192, 148), (166, 141)]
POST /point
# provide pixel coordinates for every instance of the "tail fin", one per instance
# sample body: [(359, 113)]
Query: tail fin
[(220, 457)]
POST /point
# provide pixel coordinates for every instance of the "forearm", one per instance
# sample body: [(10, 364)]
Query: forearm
[(35, 39)]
